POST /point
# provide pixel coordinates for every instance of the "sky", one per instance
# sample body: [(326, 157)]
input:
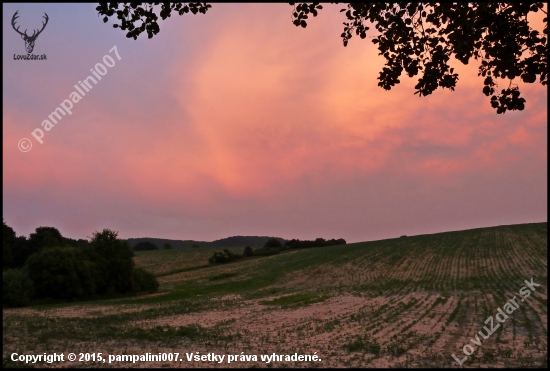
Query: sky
[(236, 122)]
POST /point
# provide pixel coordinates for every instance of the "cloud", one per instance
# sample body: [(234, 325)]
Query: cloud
[(237, 122)]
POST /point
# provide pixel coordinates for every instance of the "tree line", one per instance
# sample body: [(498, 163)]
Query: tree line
[(49, 266), (272, 246), (146, 245)]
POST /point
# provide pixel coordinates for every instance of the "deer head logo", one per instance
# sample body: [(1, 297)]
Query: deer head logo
[(29, 40)]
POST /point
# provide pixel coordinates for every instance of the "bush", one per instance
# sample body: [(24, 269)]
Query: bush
[(61, 273), (144, 281), (224, 256), (17, 288), (218, 258), (248, 251), (273, 243), (231, 255)]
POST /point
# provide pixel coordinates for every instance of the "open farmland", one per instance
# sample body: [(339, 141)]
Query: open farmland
[(403, 302)]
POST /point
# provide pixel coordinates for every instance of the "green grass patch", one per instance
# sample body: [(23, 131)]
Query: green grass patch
[(181, 270), (363, 344), (223, 276)]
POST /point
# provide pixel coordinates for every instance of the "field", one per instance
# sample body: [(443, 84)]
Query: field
[(403, 302)]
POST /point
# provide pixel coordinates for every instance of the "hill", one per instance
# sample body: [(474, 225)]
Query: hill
[(159, 242), (235, 241), (403, 302)]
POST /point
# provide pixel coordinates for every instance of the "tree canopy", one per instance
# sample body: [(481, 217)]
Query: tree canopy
[(416, 38), (8, 236), (48, 265)]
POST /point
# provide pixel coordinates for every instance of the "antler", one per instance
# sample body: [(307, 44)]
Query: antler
[(15, 16), (34, 35)]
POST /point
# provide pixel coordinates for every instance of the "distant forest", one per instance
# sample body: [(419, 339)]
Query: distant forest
[(235, 241)]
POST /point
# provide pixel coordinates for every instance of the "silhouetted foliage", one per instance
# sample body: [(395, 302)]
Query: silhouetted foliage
[(8, 237), (62, 273), (272, 242), (248, 251), (113, 259), (142, 246), (21, 250), (301, 244), (144, 281), (239, 241), (45, 237), (133, 12), (63, 268), (218, 257), (17, 288), (233, 241), (17, 249), (167, 246), (80, 243), (416, 38), (224, 256), (422, 38)]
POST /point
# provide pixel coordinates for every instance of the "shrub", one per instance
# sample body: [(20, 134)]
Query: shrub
[(231, 255), (17, 288), (61, 273), (144, 281), (218, 257), (273, 243), (248, 251), (224, 256)]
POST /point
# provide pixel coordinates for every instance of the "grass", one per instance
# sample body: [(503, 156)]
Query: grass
[(223, 276)]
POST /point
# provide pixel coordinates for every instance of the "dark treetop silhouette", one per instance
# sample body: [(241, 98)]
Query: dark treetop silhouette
[(418, 38)]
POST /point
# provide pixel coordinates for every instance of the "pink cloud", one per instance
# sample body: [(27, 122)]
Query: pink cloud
[(249, 123)]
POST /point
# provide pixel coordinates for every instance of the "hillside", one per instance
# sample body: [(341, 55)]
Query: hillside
[(234, 241), (403, 302)]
